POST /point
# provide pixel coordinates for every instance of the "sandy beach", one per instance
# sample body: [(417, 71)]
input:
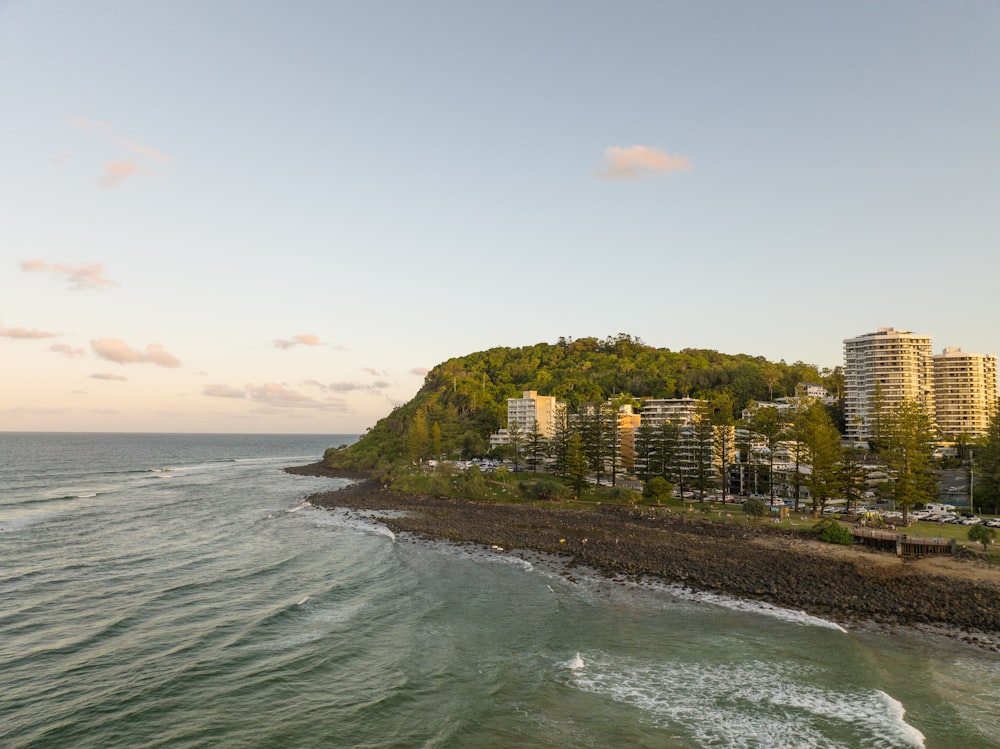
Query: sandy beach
[(764, 563)]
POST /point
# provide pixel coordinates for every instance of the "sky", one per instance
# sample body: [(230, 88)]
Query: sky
[(261, 217)]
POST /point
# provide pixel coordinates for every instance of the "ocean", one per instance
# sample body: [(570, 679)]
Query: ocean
[(176, 591)]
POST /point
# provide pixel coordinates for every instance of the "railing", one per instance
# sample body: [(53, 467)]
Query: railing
[(902, 544)]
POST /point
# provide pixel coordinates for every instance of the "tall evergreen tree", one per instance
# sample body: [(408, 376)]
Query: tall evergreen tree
[(703, 449), (612, 411), (721, 406), (645, 450), (985, 467), (516, 445), (905, 443), (853, 480), (598, 430), (576, 463), (558, 444), (535, 447), (418, 438), (766, 423), (436, 440), (821, 441), (670, 459)]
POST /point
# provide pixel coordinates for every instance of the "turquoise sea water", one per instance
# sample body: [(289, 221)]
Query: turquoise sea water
[(175, 591)]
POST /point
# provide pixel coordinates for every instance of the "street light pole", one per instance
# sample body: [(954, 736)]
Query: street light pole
[(972, 481)]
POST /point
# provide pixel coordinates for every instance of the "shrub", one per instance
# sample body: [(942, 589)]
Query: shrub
[(543, 489), (832, 532), (473, 485), (982, 534), (657, 488), (623, 495), (754, 508)]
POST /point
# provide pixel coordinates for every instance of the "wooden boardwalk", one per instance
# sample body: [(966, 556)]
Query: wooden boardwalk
[(902, 544)]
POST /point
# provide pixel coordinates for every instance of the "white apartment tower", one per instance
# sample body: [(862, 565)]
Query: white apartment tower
[(532, 409), (965, 392), (683, 411), (892, 365)]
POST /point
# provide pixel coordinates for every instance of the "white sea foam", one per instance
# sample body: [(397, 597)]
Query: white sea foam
[(758, 607), (749, 705), (511, 559), (680, 593), (576, 663), (348, 519), (898, 712)]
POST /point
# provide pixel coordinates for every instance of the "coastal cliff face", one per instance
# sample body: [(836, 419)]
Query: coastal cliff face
[(758, 563)]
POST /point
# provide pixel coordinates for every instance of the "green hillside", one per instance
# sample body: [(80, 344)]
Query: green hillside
[(464, 399)]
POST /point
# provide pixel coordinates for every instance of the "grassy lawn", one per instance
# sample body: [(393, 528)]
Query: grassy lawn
[(508, 489)]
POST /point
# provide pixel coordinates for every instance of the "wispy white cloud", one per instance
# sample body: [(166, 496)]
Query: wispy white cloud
[(347, 386), (375, 372), (86, 276), (143, 150), (223, 391), (275, 397), (639, 161), (24, 333), (420, 371), (302, 339), (66, 350), (279, 396), (108, 376), (120, 352), (116, 172), (82, 123)]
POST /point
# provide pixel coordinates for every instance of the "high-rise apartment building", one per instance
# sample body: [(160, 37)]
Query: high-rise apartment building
[(965, 392), (887, 366), (682, 411), (532, 409)]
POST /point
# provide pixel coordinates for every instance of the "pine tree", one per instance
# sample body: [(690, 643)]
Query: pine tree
[(535, 446), (558, 444), (905, 443), (576, 463), (645, 450), (821, 441), (418, 437), (986, 467)]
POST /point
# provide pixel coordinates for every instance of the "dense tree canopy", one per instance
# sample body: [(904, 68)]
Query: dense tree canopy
[(469, 393)]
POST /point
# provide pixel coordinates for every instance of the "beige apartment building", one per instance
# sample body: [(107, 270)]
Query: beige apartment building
[(965, 392), (891, 365), (628, 422), (530, 409)]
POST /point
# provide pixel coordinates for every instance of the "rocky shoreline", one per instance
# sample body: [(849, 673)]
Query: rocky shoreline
[(760, 563)]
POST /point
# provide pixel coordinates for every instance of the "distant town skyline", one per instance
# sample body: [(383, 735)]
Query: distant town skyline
[(259, 218)]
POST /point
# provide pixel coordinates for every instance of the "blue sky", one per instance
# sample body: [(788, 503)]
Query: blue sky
[(275, 217)]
